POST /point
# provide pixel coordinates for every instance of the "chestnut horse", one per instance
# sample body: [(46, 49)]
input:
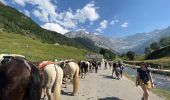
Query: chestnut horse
[(19, 79)]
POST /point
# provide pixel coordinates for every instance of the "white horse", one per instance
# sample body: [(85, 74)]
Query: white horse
[(71, 70), (53, 75)]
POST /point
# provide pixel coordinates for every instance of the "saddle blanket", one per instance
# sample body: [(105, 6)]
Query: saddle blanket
[(44, 64)]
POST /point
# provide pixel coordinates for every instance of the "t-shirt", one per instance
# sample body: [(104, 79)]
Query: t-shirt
[(114, 65), (144, 75)]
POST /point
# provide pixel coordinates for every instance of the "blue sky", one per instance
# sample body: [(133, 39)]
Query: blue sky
[(114, 18)]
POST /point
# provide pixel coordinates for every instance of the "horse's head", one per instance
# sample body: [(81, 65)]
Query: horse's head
[(5, 59), (62, 64)]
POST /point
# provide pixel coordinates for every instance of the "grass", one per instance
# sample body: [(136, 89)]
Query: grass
[(141, 57), (35, 50), (165, 60), (160, 92), (118, 58)]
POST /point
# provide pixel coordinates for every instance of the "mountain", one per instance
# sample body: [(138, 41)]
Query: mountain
[(136, 42), (11, 20), (23, 25), (139, 41), (99, 40), (87, 44)]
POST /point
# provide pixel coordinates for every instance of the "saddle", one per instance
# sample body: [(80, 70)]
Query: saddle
[(44, 64)]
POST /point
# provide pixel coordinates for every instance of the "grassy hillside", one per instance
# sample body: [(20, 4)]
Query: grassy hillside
[(163, 52), (35, 50), (12, 20)]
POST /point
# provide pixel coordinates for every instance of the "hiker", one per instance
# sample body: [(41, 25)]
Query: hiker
[(114, 68), (117, 71), (120, 65), (161, 67), (105, 65), (144, 79)]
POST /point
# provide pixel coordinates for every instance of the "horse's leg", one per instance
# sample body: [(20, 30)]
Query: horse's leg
[(66, 85), (43, 93), (48, 92)]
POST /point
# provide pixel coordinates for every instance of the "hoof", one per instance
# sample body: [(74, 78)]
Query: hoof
[(73, 94)]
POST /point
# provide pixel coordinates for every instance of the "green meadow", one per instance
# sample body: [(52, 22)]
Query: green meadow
[(35, 50)]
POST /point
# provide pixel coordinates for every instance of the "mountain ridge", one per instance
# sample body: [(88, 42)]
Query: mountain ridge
[(136, 42)]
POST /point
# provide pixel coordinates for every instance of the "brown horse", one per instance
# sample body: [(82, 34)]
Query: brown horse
[(83, 66), (19, 79)]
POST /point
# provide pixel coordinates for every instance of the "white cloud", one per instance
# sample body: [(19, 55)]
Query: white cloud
[(125, 25), (103, 25), (115, 20), (55, 27), (99, 30), (46, 12), (70, 19), (41, 14), (3, 1), (27, 13), (20, 2), (87, 12), (44, 9)]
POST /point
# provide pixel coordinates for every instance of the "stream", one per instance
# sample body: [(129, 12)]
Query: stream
[(160, 81)]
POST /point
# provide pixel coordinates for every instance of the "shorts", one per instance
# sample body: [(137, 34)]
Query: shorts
[(143, 85)]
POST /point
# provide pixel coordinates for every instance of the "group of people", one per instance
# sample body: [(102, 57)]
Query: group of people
[(143, 78), (117, 68)]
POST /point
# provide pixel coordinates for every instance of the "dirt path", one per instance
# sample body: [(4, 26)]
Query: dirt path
[(101, 86)]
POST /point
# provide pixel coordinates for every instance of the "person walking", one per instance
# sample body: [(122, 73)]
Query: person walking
[(117, 71), (144, 79), (114, 68), (120, 65), (105, 65)]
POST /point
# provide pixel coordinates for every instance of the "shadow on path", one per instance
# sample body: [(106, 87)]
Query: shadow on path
[(66, 93), (108, 77), (110, 98)]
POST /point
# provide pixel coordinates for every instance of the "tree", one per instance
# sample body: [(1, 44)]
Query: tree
[(130, 55), (107, 53), (169, 41), (164, 41), (123, 55), (147, 50), (102, 51), (154, 46)]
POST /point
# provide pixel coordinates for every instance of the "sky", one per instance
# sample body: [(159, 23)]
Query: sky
[(112, 18)]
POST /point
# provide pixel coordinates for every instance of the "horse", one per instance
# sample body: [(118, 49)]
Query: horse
[(84, 65), (53, 76), (19, 79), (95, 66), (71, 70)]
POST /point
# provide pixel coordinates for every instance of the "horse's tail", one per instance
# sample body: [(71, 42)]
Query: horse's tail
[(34, 87), (59, 78), (75, 80)]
